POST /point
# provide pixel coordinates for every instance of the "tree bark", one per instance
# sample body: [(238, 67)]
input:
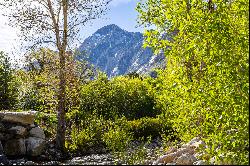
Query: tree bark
[(61, 128)]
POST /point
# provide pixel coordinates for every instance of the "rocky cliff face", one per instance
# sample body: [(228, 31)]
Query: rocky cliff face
[(117, 52)]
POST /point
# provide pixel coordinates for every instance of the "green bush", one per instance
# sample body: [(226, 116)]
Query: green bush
[(117, 137), (149, 127), (120, 96), (87, 134)]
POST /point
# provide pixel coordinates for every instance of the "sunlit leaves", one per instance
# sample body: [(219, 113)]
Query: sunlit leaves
[(204, 60)]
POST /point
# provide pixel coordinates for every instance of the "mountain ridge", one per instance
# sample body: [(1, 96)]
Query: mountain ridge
[(117, 52)]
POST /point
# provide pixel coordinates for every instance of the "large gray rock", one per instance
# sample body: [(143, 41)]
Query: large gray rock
[(185, 159), (35, 146), (24, 118), (37, 132), (168, 158), (15, 147), (18, 130)]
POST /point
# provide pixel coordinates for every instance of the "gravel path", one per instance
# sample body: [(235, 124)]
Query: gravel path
[(94, 159)]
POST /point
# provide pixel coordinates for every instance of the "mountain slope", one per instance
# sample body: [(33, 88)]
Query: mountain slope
[(117, 52)]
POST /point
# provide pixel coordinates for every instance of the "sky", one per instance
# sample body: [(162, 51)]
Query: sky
[(121, 13)]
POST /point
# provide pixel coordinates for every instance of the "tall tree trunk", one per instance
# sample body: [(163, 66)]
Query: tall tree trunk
[(61, 128)]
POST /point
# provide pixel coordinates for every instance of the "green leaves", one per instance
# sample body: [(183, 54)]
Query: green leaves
[(8, 84), (202, 62), (121, 96)]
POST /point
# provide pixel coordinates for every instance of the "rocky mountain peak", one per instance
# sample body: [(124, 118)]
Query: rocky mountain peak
[(112, 28), (118, 52)]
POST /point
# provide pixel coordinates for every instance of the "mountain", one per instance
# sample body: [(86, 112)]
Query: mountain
[(118, 52)]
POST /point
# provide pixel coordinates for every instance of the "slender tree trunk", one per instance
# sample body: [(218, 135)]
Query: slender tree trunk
[(61, 128)]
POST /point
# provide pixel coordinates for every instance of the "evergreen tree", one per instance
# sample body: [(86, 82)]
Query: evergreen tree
[(8, 89)]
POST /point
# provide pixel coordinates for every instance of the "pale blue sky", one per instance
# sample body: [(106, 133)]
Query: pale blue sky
[(121, 13)]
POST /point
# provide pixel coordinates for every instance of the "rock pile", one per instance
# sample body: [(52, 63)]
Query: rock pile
[(186, 155), (19, 136)]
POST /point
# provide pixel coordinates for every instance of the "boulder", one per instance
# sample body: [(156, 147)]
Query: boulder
[(2, 128), (32, 125), (1, 136), (195, 143), (171, 150), (168, 158), (37, 132), (15, 147), (5, 136), (18, 130), (184, 150), (185, 159), (35, 146), (200, 162), (4, 160), (1, 148), (25, 118)]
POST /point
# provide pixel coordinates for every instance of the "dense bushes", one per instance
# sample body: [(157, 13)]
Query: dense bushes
[(120, 96), (87, 134), (94, 132)]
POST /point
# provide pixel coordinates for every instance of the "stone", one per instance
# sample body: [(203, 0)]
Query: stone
[(184, 150), (185, 159), (25, 118), (198, 144), (200, 162), (35, 146), (2, 128), (30, 163), (195, 144), (1, 148), (37, 132), (171, 164), (15, 147), (4, 160), (195, 139), (18, 130), (1, 136), (168, 158), (171, 150), (5, 136)]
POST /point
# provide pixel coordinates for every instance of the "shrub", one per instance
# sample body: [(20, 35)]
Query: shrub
[(149, 127), (117, 139), (120, 96), (87, 134)]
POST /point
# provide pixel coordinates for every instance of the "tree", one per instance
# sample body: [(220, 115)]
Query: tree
[(57, 22), (8, 84), (206, 83)]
